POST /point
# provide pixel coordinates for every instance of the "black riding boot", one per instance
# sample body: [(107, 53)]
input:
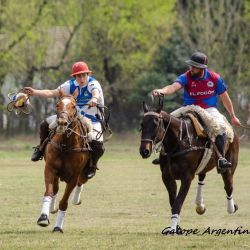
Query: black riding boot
[(95, 154), (156, 161), (39, 150), (220, 142)]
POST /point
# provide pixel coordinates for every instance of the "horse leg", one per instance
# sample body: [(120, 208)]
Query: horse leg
[(43, 220), (63, 205), (171, 186), (53, 209), (232, 155), (228, 182), (176, 208), (200, 206), (76, 199)]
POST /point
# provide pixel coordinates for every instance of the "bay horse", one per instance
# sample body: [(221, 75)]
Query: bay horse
[(181, 153), (66, 155)]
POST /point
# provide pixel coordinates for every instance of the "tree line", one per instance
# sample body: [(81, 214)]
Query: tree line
[(131, 46)]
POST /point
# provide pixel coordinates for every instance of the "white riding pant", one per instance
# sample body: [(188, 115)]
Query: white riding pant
[(216, 122), (219, 119), (96, 134)]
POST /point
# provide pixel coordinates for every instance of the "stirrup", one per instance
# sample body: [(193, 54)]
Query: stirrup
[(90, 172), (223, 163)]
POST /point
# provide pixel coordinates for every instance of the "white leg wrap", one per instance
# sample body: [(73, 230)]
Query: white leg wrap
[(46, 205), (175, 218), (60, 218), (199, 199), (230, 205), (77, 195), (53, 203)]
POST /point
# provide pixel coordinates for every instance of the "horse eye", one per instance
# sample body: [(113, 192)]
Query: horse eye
[(156, 120)]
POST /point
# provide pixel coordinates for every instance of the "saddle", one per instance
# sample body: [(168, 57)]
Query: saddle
[(198, 126)]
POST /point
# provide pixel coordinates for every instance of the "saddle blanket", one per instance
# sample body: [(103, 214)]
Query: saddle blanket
[(215, 122)]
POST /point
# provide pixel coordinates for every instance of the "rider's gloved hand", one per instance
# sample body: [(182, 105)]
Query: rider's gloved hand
[(93, 102)]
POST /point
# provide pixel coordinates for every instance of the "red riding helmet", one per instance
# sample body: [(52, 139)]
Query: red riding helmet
[(79, 68)]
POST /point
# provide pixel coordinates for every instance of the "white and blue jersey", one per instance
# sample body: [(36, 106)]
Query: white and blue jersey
[(83, 96)]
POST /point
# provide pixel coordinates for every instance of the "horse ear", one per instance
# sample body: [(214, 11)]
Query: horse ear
[(61, 93), (145, 107), (76, 92), (160, 106)]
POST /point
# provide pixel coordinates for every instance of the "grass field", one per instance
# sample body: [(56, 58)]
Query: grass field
[(124, 207)]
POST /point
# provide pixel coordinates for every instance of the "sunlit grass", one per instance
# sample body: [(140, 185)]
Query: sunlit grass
[(124, 207)]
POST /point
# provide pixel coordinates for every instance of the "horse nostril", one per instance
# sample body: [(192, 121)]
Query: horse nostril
[(146, 152)]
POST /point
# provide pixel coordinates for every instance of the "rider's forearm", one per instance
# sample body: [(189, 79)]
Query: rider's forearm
[(227, 103), (47, 93), (95, 94), (170, 89)]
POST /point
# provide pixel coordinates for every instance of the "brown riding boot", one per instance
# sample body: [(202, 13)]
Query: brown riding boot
[(95, 155), (44, 133)]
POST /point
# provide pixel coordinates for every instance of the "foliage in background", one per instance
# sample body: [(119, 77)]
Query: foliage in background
[(132, 47)]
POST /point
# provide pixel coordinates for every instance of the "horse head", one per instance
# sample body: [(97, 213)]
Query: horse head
[(152, 129), (66, 113)]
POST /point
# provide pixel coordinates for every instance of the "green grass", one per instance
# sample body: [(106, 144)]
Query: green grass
[(124, 207)]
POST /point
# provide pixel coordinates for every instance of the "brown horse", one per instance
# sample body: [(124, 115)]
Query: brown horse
[(181, 153), (66, 155)]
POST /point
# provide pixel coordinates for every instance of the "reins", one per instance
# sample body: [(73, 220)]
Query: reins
[(104, 120), (76, 123), (158, 148), (244, 126)]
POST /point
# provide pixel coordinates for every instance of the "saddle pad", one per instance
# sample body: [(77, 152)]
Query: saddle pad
[(198, 127)]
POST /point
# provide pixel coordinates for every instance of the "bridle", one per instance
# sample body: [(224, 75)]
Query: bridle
[(76, 122), (64, 114), (154, 142), (68, 121), (157, 146)]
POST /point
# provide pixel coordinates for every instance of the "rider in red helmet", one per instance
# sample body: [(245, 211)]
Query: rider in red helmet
[(80, 68), (86, 90), (201, 86)]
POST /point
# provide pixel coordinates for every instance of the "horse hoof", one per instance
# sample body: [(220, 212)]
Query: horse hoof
[(77, 203), (168, 231), (172, 231), (54, 211), (235, 207), (200, 209), (57, 230), (43, 221)]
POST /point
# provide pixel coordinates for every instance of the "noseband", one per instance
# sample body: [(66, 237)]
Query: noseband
[(160, 126), (69, 121)]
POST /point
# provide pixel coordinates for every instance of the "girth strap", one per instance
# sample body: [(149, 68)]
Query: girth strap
[(185, 151), (72, 150)]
